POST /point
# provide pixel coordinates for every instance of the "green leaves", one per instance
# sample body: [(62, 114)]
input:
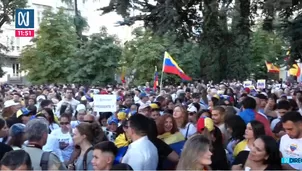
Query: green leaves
[(55, 43), (55, 57), (266, 46), (146, 51), (97, 60)]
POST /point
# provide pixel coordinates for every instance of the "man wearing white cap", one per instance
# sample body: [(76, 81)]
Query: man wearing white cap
[(192, 111), (81, 112), (145, 109), (10, 104)]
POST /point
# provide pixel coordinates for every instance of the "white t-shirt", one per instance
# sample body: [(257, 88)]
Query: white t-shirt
[(73, 102), (190, 128), (53, 126), (291, 148), (65, 142), (136, 99), (52, 145)]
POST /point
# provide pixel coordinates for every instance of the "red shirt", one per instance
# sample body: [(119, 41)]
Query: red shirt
[(266, 124)]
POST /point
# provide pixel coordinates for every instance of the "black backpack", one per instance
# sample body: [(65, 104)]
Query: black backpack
[(44, 160), (85, 158)]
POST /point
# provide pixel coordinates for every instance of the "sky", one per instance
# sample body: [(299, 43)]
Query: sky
[(95, 20)]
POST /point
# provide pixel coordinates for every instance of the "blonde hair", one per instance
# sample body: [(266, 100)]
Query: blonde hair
[(193, 149)]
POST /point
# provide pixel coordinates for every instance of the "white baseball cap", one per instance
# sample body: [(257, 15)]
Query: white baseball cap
[(10, 103), (81, 107), (192, 108)]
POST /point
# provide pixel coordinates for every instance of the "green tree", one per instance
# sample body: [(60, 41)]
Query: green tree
[(80, 23), (226, 47), (97, 60), (146, 51), (222, 48), (266, 46), (7, 8), (45, 60), (289, 23)]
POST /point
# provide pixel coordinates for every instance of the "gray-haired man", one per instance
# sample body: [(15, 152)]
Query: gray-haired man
[(37, 132)]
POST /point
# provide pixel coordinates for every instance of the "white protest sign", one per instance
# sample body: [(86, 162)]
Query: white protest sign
[(247, 84), (104, 103), (261, 84)]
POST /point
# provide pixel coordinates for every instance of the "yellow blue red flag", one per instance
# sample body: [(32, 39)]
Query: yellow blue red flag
[(171, 67)]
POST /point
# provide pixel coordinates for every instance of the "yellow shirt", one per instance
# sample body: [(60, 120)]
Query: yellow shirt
[(239, 147), (169, 138)]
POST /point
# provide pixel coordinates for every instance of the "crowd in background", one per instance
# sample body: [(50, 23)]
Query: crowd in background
[(188, 127)]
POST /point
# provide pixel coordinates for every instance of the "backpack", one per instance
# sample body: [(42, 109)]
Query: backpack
[(44, 160), (85, 158)]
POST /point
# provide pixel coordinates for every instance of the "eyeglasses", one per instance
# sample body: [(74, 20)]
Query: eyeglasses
[(64, 123), (88, 121)]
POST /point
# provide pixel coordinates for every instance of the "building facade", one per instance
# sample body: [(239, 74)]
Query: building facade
[(10, 64)]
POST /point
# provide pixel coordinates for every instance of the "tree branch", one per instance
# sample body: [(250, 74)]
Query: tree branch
[(4, 18)]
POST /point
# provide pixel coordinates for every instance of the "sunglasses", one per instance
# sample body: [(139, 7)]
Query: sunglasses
[(64, 123), (88, 121), (191, 113)]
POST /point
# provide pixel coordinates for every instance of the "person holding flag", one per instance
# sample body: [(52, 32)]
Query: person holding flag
[(155, 84)]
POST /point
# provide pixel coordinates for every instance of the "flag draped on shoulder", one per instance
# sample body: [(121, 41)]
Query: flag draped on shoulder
[(171, 67), (271, 67)]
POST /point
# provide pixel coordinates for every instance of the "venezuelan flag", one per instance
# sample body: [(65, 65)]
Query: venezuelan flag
[(171, 67), (272, 68), (155, 84)]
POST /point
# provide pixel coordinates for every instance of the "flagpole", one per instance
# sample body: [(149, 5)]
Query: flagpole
[(155, 81), (162, 73)]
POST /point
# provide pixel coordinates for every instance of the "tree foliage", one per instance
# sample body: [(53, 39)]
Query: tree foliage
[(97, 60), (45, 60), (289, 20), (266, 46), (146, 51), (226, 45), (56, 58), (205, 22)]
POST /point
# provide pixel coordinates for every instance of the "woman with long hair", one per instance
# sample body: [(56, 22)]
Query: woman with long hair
[(253, 130), (236, 128), (167, 129), (181, 117), (196, 154), (264, 155), (3, 133), (85, 135), (48, 113)]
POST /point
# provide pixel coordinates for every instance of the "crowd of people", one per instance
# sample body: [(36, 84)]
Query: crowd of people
[(187, 127)]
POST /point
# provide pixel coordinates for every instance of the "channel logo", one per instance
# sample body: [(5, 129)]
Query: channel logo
[(25, 18), (291, 160)]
